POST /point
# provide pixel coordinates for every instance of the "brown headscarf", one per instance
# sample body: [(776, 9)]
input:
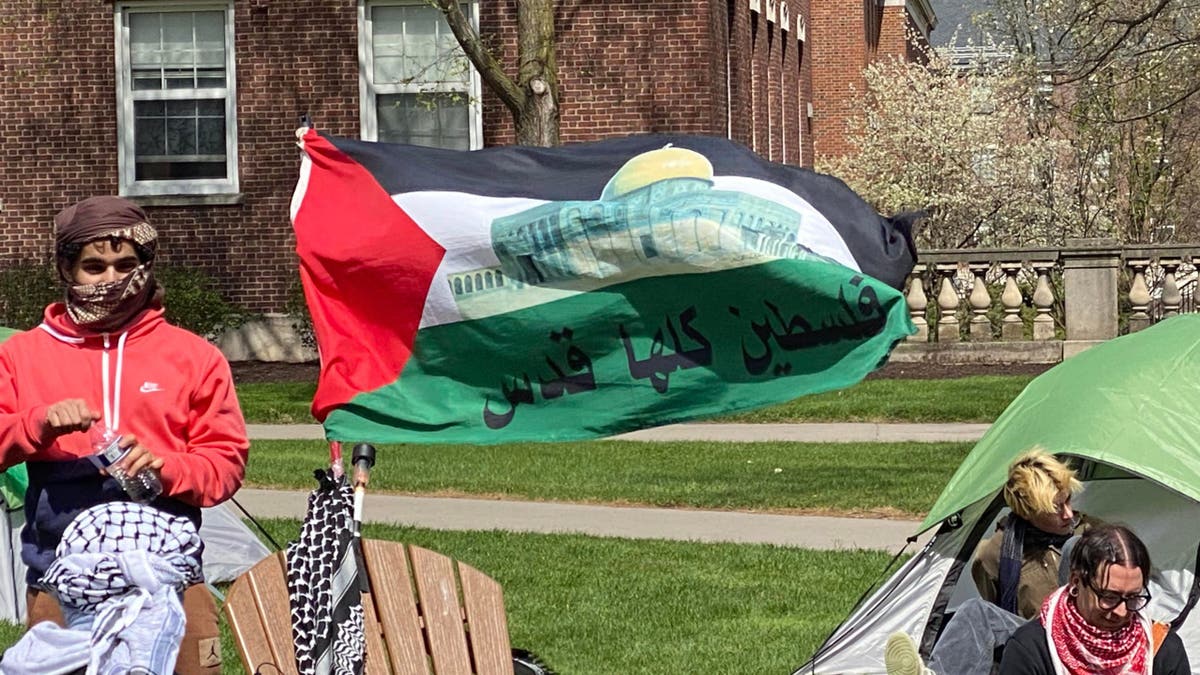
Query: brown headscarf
[(106, 306)]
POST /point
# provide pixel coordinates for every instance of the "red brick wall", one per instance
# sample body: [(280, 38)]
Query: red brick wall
[(770, 82), (893, 42), (625, 66), (846, 37), (58, 139), (838, 32), (804, 84)]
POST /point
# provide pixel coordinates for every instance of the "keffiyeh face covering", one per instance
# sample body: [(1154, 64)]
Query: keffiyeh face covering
[(106, 306)]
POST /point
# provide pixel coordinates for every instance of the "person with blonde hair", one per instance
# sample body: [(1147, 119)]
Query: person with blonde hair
[(1014, 570), (1017, 567)]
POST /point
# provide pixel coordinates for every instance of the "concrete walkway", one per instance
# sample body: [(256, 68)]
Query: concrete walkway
[(813, 532), (809, 433)]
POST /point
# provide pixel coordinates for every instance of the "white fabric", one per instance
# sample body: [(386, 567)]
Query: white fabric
[(230, 549), (118, 574), (47, 649), (141, 629)]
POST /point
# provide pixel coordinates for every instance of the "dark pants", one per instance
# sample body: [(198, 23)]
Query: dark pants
[(200, 651)]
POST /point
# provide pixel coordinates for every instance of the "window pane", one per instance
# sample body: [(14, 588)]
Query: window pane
[(149, 128), (436, 120), (144, 38), (177, 50), (181, 136), (414, 44), (210, 38), (210, 136), (179, 139)]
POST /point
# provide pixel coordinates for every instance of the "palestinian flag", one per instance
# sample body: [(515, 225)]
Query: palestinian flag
[(520, 293)]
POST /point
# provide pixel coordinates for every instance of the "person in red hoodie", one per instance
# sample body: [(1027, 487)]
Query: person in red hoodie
[(106, 356)]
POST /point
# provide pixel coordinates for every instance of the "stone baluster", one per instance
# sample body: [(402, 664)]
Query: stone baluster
[(980, 301), (917, 304), (1171, 297), (947, 300), (1139, 297), (1012, 328), (1043, 301), (1196, 284)]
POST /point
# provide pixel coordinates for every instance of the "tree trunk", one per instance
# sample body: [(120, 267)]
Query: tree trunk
[(536, 119), (532, 97)]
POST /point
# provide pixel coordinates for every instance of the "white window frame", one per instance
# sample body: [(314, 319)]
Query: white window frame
[(126, 95), (368, 90)]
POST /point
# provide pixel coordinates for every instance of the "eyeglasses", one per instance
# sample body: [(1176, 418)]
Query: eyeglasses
[(1108, 600)]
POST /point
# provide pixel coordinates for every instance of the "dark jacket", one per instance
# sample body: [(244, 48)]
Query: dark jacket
[(1039, 571), (1027, 652)]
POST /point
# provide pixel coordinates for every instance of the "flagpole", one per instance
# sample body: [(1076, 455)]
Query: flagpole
[(363, 459), (335, 460)]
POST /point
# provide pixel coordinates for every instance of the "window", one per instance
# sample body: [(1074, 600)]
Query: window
[(176, 100), (417, 85)]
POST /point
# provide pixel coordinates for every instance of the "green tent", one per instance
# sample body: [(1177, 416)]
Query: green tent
[(1128, 412), (14, 481), (1132, 402)]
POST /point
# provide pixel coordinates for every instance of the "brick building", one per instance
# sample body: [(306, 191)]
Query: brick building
[(847, 37), (188, 106)]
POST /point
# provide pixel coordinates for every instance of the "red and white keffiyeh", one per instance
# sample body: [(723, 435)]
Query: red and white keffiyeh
[(1079, 648)]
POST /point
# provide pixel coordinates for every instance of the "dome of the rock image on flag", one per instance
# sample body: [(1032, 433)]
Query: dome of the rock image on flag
[(517, 293)]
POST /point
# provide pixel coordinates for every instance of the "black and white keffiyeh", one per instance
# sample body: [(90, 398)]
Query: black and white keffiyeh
[(324, 584), (101, 533), (118, 574)]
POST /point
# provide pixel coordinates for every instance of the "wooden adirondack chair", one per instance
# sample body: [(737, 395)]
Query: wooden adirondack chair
[(425, 613)]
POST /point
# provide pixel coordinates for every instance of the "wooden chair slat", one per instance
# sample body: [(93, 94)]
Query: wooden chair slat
[(246, 624), (395, 605), (487, 626), (375, 658), (266, 585), (418, 618), (270, 587), (438, 595)]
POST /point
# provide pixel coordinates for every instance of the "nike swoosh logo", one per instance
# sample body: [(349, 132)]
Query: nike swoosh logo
[(149, 387)]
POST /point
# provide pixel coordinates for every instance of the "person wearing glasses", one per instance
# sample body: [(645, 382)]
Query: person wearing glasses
[(1095, 624), (1014, 570)]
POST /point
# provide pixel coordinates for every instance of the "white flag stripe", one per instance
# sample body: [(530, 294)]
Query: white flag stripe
[(461, 223)]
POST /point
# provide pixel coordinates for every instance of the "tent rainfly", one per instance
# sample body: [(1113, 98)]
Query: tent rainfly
[(1127, 414)]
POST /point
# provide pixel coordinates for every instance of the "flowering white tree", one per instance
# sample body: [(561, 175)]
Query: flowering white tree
[(999, 155), (965, 147)]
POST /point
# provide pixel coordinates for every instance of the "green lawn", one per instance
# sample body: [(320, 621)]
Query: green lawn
[(598, 606), (968, 399), (277, 402), (881, 478)]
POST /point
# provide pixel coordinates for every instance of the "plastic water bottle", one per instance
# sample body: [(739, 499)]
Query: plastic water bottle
[(144, 487)]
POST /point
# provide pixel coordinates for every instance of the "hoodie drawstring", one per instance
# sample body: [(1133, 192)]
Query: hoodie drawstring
[(112, 405)]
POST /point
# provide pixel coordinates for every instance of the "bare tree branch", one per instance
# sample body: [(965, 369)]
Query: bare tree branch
[(489, 68)]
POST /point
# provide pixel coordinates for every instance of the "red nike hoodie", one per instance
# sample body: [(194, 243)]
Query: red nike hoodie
[(168, 387)]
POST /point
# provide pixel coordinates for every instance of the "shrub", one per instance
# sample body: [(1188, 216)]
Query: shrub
[(193, 301), (25, 290)]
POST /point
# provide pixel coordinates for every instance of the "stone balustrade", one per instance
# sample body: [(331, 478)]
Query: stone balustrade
[(1042, 304)]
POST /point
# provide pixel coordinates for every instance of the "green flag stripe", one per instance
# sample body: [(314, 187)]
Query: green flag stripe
[(647, 352)]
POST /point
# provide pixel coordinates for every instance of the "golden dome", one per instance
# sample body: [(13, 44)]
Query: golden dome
[(651, 167)]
